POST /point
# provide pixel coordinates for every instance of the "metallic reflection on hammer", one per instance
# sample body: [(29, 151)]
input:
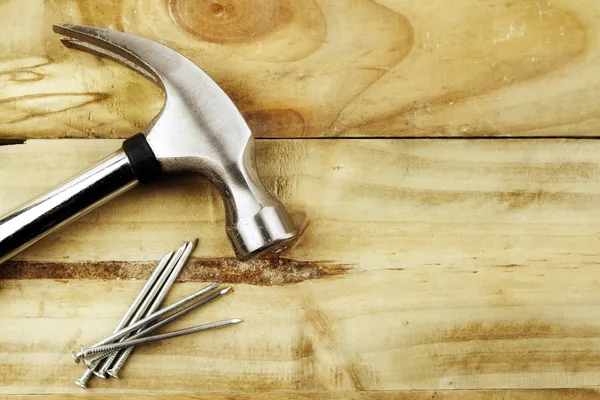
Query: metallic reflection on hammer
[(199, 129)]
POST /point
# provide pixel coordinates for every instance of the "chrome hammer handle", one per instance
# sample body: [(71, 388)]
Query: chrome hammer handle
[(40, 217), (110, 177)]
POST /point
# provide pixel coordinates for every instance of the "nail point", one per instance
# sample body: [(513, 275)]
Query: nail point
[(227, 289)]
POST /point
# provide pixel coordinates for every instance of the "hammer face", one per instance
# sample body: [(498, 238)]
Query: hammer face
[(199, 129), (271, 229)]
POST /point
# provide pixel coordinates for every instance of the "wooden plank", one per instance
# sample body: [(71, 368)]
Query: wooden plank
[(568, 394), (301, 68), (380, 330), (369, 203), (440, 265)]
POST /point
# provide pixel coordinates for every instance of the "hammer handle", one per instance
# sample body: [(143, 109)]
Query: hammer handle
[(42, 216)]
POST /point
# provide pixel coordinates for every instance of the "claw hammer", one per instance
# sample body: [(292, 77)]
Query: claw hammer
[(199, 129)]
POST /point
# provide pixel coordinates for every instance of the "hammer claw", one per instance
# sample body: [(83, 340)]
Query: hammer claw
[(105, 53), (101, 43)]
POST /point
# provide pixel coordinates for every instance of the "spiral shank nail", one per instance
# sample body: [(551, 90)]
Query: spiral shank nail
[(82, 382), (89, 361), (106, 365), (96, 350), (114, 371)]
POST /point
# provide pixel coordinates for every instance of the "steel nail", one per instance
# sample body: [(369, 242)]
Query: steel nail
[(82, 381), (92, 360), (116, 368), (140, 297), (145, 304), (145, 290), (180, 314), (141, 304), (194, 296), (106, 364), (120, 361), (168, 335), (114, 371)]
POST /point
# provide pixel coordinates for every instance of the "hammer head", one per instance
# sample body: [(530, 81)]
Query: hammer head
[(199, 129)]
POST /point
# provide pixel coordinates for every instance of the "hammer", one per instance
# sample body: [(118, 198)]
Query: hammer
[(199, 129)]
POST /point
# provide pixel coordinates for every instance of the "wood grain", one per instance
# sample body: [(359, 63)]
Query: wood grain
[(425, 269), (317, 68), (370, 204), (379, 330), (463, 265)]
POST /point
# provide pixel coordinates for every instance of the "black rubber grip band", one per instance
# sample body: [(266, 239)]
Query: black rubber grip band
[(141, 157)]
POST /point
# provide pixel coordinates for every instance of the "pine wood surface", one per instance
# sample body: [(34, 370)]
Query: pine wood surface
[(424, 269), (416, 268), (306, 68)]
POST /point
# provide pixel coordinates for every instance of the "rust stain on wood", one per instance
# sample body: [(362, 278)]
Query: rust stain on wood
[(261, 272), (7, 142)]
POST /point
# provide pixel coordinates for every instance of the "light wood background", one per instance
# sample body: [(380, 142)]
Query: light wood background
[(307, 68), (447, 266)]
